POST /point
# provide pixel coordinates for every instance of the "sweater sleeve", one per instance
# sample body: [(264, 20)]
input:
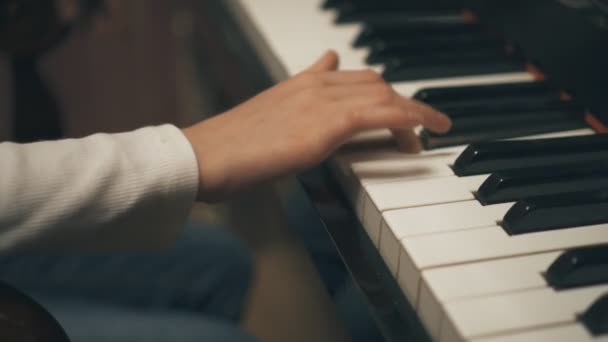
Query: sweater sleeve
[(104, 192)]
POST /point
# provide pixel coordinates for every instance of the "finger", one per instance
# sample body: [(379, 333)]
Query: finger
[(407, 140), (328, 62), (431, 118), (374, 117), (351, 77), (359, 93), (383, 96)]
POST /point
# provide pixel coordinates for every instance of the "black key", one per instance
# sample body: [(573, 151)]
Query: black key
[(428, 40), (488, 157), (471, 55), (471, 118), (472, 124), (327, 4), (375, 12), (595, 318), (510, 186), (508, 103), (389, 17), (388, 53), (555, 212), (400, 72), (396, 5), (436, 96), (404, 32), (432, 140), (579, 267)]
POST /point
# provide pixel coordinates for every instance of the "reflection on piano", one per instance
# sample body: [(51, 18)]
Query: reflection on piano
[(498, 231)]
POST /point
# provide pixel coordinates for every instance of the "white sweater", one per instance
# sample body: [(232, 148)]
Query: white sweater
[(103, 192)]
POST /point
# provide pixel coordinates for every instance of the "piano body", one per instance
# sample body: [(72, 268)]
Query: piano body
[(498, 231)]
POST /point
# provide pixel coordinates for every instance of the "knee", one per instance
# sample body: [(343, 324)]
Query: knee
[(235, 262), (225, 268), (220, 246)]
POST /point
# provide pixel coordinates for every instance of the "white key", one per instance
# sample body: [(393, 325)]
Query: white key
[(445, 284), (417, 193), (411, 88), (573, 332), (390, 165), (479, 244), (398, 224), (504, 313), (298, 32)]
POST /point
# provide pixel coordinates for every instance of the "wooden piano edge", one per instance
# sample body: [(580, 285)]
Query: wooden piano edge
[(394, 315)]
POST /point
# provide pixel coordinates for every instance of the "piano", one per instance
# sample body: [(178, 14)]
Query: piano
[(498, 230)]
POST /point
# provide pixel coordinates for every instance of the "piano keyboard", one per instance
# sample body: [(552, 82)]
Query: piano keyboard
[(489, 241)]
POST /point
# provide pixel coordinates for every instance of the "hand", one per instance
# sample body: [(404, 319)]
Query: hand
[(298, 123)]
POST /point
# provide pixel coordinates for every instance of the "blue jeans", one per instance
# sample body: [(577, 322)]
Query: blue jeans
[(193, 292)]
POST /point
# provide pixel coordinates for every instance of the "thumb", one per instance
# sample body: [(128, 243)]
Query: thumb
[(328, 62)]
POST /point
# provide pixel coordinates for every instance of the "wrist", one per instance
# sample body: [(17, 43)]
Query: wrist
[(211, 177)]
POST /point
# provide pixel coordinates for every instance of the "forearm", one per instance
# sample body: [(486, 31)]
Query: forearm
[(106, 191)]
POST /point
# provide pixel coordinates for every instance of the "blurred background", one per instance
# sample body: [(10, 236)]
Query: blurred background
[(146, 62)]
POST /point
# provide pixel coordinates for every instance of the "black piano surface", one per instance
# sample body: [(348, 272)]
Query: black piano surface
[(569, 44)]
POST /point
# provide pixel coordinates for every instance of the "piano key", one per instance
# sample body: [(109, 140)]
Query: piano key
[(508, 312), (514, 106), (390, 166), (371, 33), (432, 219), (469, 121), (485, 157), (383, 17), (596, 317), (400, 72), (423, 59), (328, 4), (481, 279), (561, 333), (432, 140), (555, 212), (480, 108), (410, 88), (578, 267), (424, 252), (367, 6), (509, 186), (394, 195), (385, 52), (433, 45), (442, 95), (311, 33)]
